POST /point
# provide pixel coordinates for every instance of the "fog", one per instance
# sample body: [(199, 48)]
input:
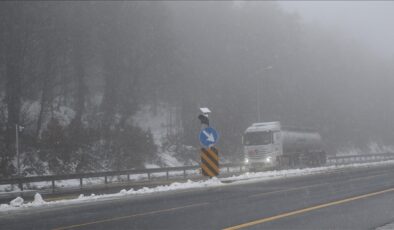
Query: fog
[(75, 74), (365, 22)]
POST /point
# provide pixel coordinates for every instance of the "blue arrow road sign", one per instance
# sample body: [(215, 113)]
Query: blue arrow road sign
[(208, 136)]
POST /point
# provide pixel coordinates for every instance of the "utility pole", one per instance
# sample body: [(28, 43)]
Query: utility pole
[(17, 149), (258, 100), (259, 83), (18, 129)]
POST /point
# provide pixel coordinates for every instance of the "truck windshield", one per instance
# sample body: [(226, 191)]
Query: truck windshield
[(258, 138)]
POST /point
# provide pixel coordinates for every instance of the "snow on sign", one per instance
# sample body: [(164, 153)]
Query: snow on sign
[(208, 137)]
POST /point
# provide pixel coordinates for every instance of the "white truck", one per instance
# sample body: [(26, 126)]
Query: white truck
[(269, 145)]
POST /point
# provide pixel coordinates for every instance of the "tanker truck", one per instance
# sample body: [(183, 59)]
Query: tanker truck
[(269, 145)]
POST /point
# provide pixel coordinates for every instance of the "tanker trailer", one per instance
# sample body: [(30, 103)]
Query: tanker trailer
[(269, 145)]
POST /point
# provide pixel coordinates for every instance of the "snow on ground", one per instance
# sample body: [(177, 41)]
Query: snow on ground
[(92, 181), (169, 159), (146, 120), (18, 202), (75, 182), (349, 151), (9, 188), (372, 148), (151, 166), (158, 124), (276, 174), (386, 227)]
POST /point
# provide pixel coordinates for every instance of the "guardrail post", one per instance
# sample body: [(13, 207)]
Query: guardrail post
[(20, 185), (148, 176), (167, 176), (106, 179), (228, 169), (184, 174), (53, 186), (240, 168), (80, 182), (128, 177)]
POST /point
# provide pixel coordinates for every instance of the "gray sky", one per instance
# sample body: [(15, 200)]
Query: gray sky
[(368, 22)]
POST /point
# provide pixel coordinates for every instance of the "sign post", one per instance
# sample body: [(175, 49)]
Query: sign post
[(210, 162), (208, 138)]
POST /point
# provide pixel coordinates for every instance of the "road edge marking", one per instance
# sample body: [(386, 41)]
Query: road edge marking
[(320, 206)]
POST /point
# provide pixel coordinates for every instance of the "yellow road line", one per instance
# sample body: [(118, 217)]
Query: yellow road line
[(131, 216), (272, 218)]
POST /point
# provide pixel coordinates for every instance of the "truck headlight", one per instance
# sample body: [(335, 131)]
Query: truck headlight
[(246, 160), (268, 159)]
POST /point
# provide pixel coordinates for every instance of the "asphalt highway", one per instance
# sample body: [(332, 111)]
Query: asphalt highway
[(351, 199)]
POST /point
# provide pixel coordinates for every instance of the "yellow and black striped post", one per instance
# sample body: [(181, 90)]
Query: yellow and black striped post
[(210, 162)]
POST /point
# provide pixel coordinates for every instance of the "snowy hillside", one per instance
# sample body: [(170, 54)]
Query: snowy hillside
[(162, 127)]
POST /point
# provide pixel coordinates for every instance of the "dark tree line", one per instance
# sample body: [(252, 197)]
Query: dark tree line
[(71, 75)]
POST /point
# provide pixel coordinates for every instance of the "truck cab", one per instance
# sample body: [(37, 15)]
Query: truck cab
[(262, 144)]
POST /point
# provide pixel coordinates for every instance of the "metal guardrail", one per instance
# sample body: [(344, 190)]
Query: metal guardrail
[(362, 158), (20, 181)]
